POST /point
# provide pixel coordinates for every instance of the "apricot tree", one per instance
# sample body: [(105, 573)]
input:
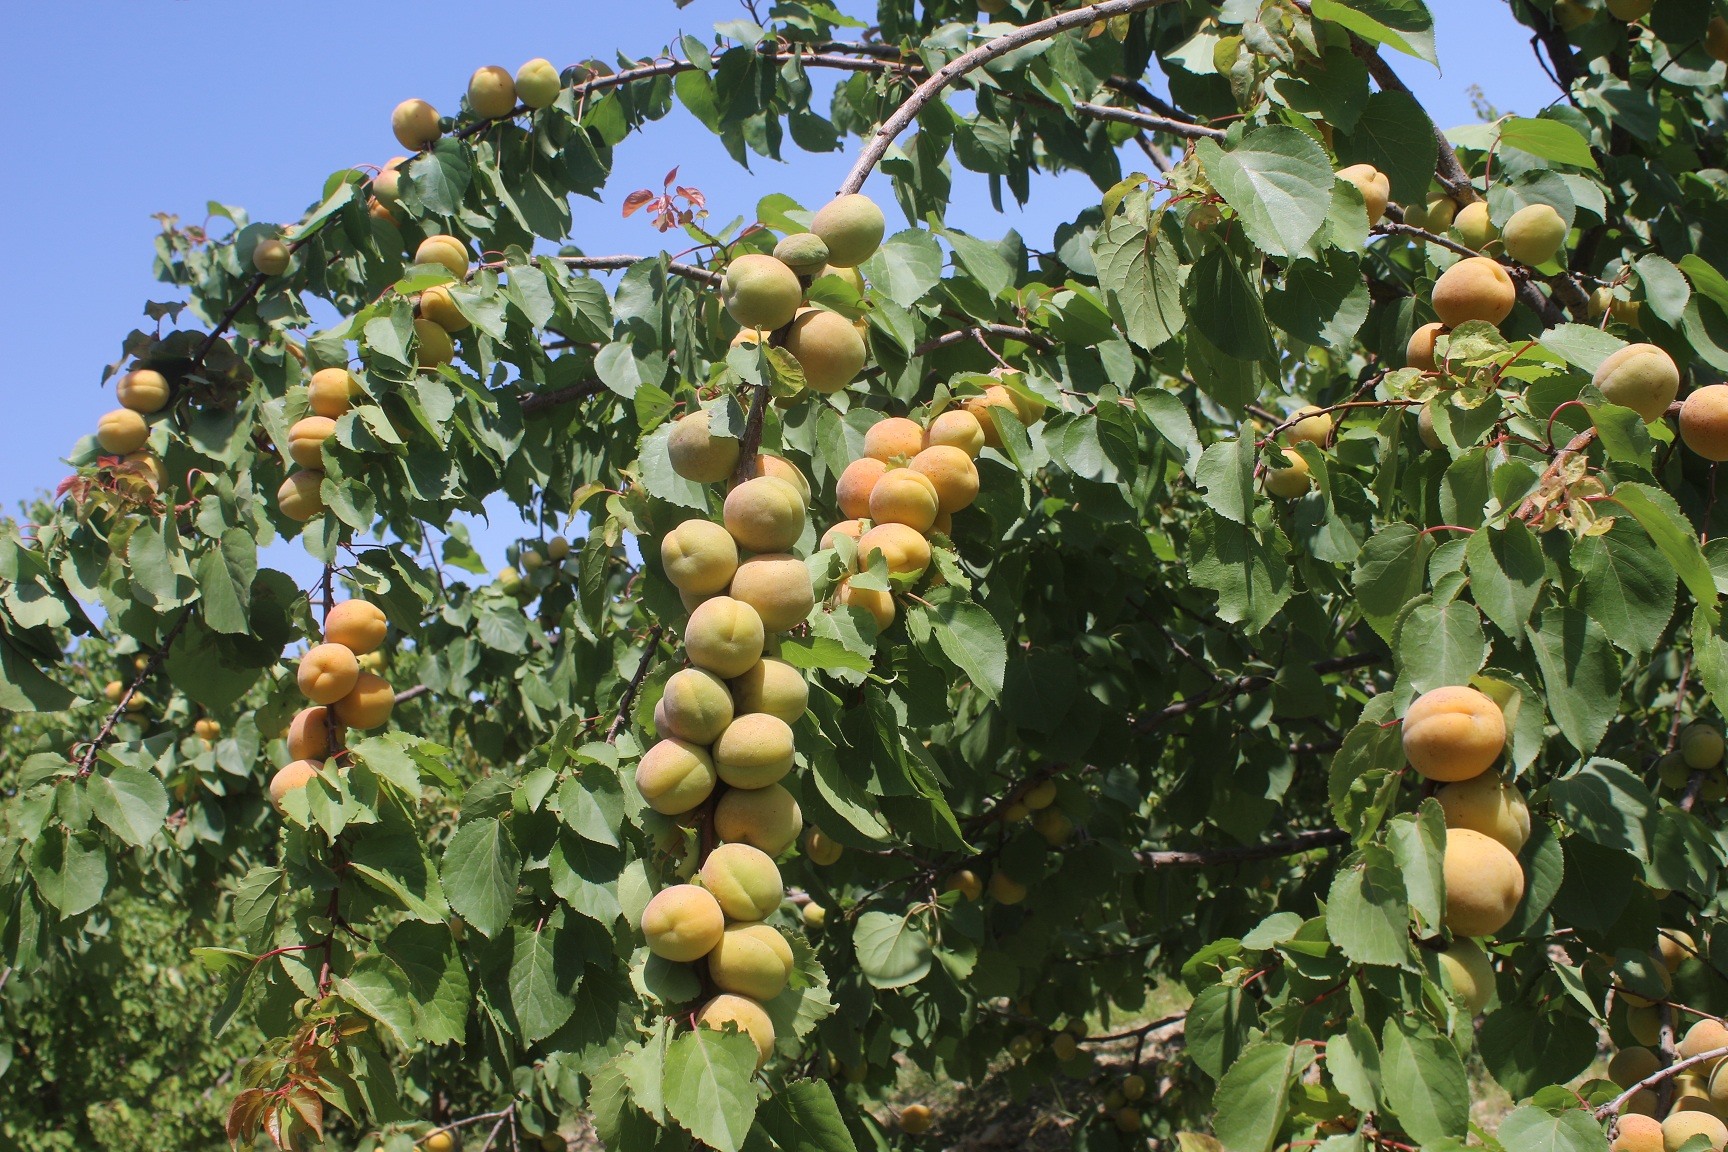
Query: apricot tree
[(1287, 597)]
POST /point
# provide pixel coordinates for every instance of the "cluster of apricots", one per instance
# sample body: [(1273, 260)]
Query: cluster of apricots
[(344, 692), (1698, 1096), (1698, 751), (125, 432), (1035, 802)]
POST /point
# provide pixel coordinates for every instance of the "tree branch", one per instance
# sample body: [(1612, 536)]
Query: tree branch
[(87, 762), (1245, 684), (1208, 857), (635, 685), (1660, 1076)]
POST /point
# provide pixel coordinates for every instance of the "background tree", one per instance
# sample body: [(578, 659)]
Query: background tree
[(1330, 635)]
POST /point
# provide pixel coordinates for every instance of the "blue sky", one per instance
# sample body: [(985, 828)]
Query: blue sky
[(129, 109)]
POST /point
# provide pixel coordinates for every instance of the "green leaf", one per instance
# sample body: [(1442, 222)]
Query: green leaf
[(1705, 278), (1141, 277), (1225, 308), (1533, 1129), (1251, 1098), (1395, 136), (1608, 805), (905, 267), (1418, 843), (1390, 573), (1666, 291), (1660, 515), (1367, 914), (708, 1089), (480, 870), (225, 577), (539, 999), (70, 871), (438, 988), (803, 1117), (892, 951), (132, 803), (1626, 586), (971, 638), (1424, 1083), (1440, 644), (1225, 475), (820, 653), (1252, 582), (1279, 182), (377, 987), (1549, 139), (1507, 573), (1580, 672), (1353, 1059), (1404, 25)]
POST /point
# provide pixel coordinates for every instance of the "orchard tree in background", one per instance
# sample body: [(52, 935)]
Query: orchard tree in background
[(1293, 598)]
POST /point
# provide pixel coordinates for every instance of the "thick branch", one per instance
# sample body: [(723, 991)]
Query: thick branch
[(1659, 1077), (1208, 857), (413, 693)]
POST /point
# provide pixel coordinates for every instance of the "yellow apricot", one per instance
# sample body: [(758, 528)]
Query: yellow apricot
[(1292, 480), (445, 250), (682, 923), (745, 1015), (306, 440), (829, 350), (415, 124), (760, 292), (1641, 377), (995, 396), (699, 556), (777, 585), (294, 774), (332, 391), (751, 960), (814, 915), (300, 497), (1706, 1035), (1484, 883), (271, 257), (1004, 889), (879, 605), (1475, 288), (781, 469), (1704, 422), (537, 83), (358, 625), (696, 706), (956, 428), (953, 475), (368, 704), (1534, 234), (1630, 1065), (766, 818), (148, 467), (1376, 189), (725, 636), (207, 729), (903, 548), (1638, 1000), (1489, 805), (754, 751), (914, 1119), (1675, 947), (1453, 733), (432, 346), (1644, 1024), (856, 483), (966, 883), (1635, 1133), (327, 673), (1680, 1127), (438, 306), (821, 850), (675, 776), (905, 496), (143, 390), (852, 227), (765, 514), (1425, 426), (1053, 825), (1470, 973), (851, 529), (895, 436), (491, 92), (1474, 227), (771, 686), (309, 735), (1440, 212), (744, 880), (1419, 353), (1314, 428), (122, 432)]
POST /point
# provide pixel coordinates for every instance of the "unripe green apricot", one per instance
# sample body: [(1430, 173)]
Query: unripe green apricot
[(1484, 883), (682, 923), (301, 496), (1703, 422), (1425, 426), (803, 252), (696, 706), (1439, 213), (829, 350), (754, 751), (415, 124), (725, 636), (122, 432), (699, 556), (537, 83), (760, 291), (1474, 227), (1534, 234), (675, 776), (271, 257), (774, 687), (1701, 745), (1453, 733), (1475, 288), (765, 514), (745, 1015), (777, 585), (1292, 480), (766, 818), (1470, 973), (1641, 377), (697, 454), (491, 93), (1376, 189), (143, 390), (852, 227), (751, 960), (1489, 805), (744, 880)]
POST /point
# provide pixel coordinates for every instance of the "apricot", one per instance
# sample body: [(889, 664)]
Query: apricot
[(1704, 422), (444, 250), (1629, 10), (306, 440), (821, 850), (745, 1015), (699, 455), (415, 124), (1489, 805), (1640, 1001), (1641, 377), (905, 496), (368, 704), (814, 915), (754, 337), (332, 392), (207, 729), (1004, 889), (696, 706), (1475, 288), (1716, 38), (829, 350), (1376, 189), (357, 625), (1644, 1024), (774, 687), (1470, 973), (1630, 1065), (292, 775), (851, 529), (1474, 227), (803, 252), (1534, 234), (1717, 1087), (914, 1119), (432, 346), (1453, 733), (309, 735), (1635, 1133), (895, 436), (766, 818), (760, 292), (880, 605), (954, 476), (1425, 426), (491, 92), (1314, 428), (327, 673), (781, 469), (682, 923), (1680, 1127), (1706, 1035), (271, 257), (754, 751), (995, 396), (438, 306), (387, 185), (944, 524), (1675, 947), (143, 390), (1484, 883), (675, 776), (537, 83), (1419, 352), (148, 467), (751, 960), (765, 514), (122, 432), (744, 880), (725, 636), (956, 428), (1701, 745), (1439, 213), (856, 482), (903, 548), (1292, 480), (852, 227), (966, 883), (777, 585), (699, 556)]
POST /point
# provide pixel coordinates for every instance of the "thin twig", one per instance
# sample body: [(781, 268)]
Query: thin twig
[(1612, 1108), (1207, 857), (635, 685), (87, 762)]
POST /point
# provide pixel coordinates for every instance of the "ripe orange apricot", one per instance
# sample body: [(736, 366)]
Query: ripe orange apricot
[(327, 673), (746, 1016), (1475, 288), (854, 529), (954, 476), (829, 350), (777, 585), (491, 92), (1453, 733), (306, 440), (294, 774), (1636, 1133), (755, 751), (956, 428), (309, 735), (895, 436), (856, 483), (142, 390), (332, 391), (358, 625), (1489, 805), (903, 548), (1419, 353), (682, 923), (415, 124), (445, 250), (300, 497), (438, 306), (905, 496), (880, 605), (1484, 883), (368, 704), (1641, 377), (994, 396), (781, 469)]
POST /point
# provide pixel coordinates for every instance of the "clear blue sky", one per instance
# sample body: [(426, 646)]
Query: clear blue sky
[(121, 110)]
